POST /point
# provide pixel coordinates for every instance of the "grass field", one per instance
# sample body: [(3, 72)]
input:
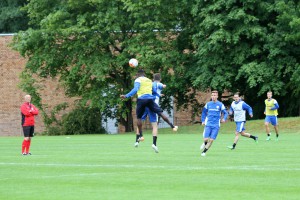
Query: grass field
[(109, 167)]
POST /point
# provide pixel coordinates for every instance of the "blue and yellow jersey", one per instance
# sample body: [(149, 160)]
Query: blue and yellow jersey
[(271, 107), (143, 88)]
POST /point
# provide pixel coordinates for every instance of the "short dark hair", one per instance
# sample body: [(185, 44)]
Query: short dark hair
[(214, 91), (156, 77), (140, 72)]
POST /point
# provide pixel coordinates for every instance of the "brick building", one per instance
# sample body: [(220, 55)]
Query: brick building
[(11, 97), (12, 64)]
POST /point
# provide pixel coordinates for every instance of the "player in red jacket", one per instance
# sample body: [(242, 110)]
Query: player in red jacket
[(28, 112)]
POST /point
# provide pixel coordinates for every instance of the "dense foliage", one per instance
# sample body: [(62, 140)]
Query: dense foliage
[(12, 18)]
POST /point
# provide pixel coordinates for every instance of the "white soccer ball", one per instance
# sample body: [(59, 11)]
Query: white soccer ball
[(133, 62)]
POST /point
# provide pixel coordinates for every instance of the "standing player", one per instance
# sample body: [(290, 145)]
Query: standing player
[(157, 87), (28, 111), (211, 118), (143, 88), (238, 108), (271, 115)]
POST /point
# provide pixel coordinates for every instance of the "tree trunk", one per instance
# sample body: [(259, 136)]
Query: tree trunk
[(128, 121)]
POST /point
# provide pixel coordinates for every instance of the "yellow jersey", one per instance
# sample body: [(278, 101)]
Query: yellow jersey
[(145, 86), (270, 104)]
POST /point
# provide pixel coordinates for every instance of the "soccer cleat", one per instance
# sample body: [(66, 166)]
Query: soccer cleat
[(141, 139), (203, 154), (136, 144), (175, 128), (155, 148), (230, 147), (202, 146), (29, 154), (24, 154), (268, 138)]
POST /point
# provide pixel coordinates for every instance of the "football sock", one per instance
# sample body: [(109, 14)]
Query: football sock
[(277, 135), (205, 150), (253, 137), (234, 144), (137, 138), (27, 146), (269, 134), (205, 143), (154, 140), (23, 146)]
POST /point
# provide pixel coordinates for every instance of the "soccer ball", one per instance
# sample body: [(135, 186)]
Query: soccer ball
[(133, 62)]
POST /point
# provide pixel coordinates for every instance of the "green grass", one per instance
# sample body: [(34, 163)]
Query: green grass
[(109, 167)]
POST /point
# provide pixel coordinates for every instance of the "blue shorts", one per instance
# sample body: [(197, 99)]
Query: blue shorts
[(211, 132), (152, 115), (272, 120), (240, 126)]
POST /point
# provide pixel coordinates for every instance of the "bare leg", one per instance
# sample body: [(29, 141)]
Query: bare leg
[(276, 130), (154, 128), (208, 145), (267, 128)]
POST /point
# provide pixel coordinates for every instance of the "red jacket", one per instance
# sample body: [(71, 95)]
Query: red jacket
[(28, 112)]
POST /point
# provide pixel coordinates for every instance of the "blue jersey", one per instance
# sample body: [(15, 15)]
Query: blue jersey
[(211, 113), (157, 87)]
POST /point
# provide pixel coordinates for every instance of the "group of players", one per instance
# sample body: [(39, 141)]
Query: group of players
[(148, 94), (213, 113)]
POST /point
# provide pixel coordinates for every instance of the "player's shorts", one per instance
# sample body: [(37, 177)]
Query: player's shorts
[(143, 103), (152, 115), (211, 132), (240, 126), (28, 131), (272, 120)]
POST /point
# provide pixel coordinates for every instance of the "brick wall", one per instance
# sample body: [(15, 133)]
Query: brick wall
[(11, 97)]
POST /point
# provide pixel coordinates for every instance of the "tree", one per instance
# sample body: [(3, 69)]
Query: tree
[(12, 18), (88, 45), (247, 46)]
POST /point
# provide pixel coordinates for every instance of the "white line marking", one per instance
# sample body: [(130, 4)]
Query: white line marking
[(190, 168)]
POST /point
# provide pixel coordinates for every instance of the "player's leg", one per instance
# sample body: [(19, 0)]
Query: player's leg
[(205, 140), (26, 131), (140, 110), (277, 132), (243, 133), (154, 135), (275, 124), (255, 138), (153, 120), (267, 121), (238, 129), (156, 109), (31, 133), (144, 117), (236, 139), (211, 133)]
